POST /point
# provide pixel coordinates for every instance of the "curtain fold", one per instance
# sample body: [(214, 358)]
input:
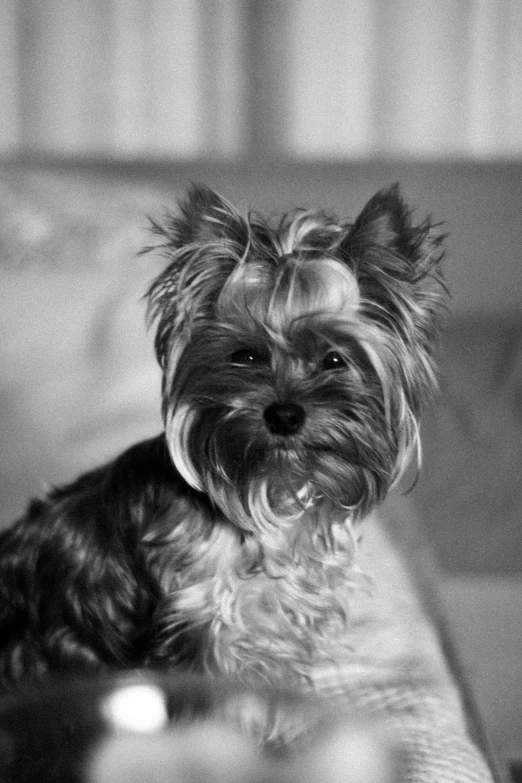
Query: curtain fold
[(339, 79)]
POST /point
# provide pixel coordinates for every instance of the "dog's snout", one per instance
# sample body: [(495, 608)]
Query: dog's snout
[(284, 418)]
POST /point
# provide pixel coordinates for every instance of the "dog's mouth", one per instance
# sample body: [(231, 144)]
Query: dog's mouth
[(299, 450), (298, 459), (307, 453), (286, 447)]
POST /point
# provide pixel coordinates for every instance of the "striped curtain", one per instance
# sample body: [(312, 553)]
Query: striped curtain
[(328, 79)]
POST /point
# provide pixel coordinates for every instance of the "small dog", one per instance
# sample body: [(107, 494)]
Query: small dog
[(297, 357)]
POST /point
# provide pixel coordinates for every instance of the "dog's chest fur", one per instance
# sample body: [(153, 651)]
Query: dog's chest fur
[(225, 609)]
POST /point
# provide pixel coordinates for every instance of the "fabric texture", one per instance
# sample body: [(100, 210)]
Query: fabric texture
[(396, 672)]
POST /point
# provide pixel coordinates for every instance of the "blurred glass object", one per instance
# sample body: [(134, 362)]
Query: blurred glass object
[(164, 728)]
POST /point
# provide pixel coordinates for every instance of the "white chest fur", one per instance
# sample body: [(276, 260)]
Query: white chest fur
[(250, 618)]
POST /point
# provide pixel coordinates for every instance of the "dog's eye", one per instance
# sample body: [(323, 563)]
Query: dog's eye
[(333, 361), (247, 357)]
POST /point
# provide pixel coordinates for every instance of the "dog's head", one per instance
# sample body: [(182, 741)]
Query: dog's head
[(297, 355)]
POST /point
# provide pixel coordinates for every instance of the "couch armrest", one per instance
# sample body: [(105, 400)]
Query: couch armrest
[(402, 668)]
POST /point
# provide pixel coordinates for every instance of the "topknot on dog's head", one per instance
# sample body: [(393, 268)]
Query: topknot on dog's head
[(218, 256)]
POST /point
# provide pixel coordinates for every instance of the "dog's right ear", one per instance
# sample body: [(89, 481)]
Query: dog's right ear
[(203, 244), (204, 217)]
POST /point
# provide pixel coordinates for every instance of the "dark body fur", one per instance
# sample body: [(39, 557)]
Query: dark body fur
[(99, 537)]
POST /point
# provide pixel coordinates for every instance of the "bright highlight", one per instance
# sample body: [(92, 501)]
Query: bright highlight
[(136, 708)]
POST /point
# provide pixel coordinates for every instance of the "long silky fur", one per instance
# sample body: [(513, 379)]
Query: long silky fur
[(221, 545)]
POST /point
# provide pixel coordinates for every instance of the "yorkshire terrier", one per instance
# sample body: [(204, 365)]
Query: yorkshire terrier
[(297, 356)]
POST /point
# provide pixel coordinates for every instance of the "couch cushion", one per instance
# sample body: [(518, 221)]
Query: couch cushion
[(79, 380), (470, 490)]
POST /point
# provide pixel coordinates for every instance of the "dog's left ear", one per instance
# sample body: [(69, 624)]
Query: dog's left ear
[(402, 290), (389, 254)]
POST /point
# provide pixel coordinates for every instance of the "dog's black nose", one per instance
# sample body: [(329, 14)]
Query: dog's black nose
[(284, 418)]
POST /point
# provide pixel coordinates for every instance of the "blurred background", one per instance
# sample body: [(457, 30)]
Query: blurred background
[(165, 82), (110, 107), (226, 78)]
